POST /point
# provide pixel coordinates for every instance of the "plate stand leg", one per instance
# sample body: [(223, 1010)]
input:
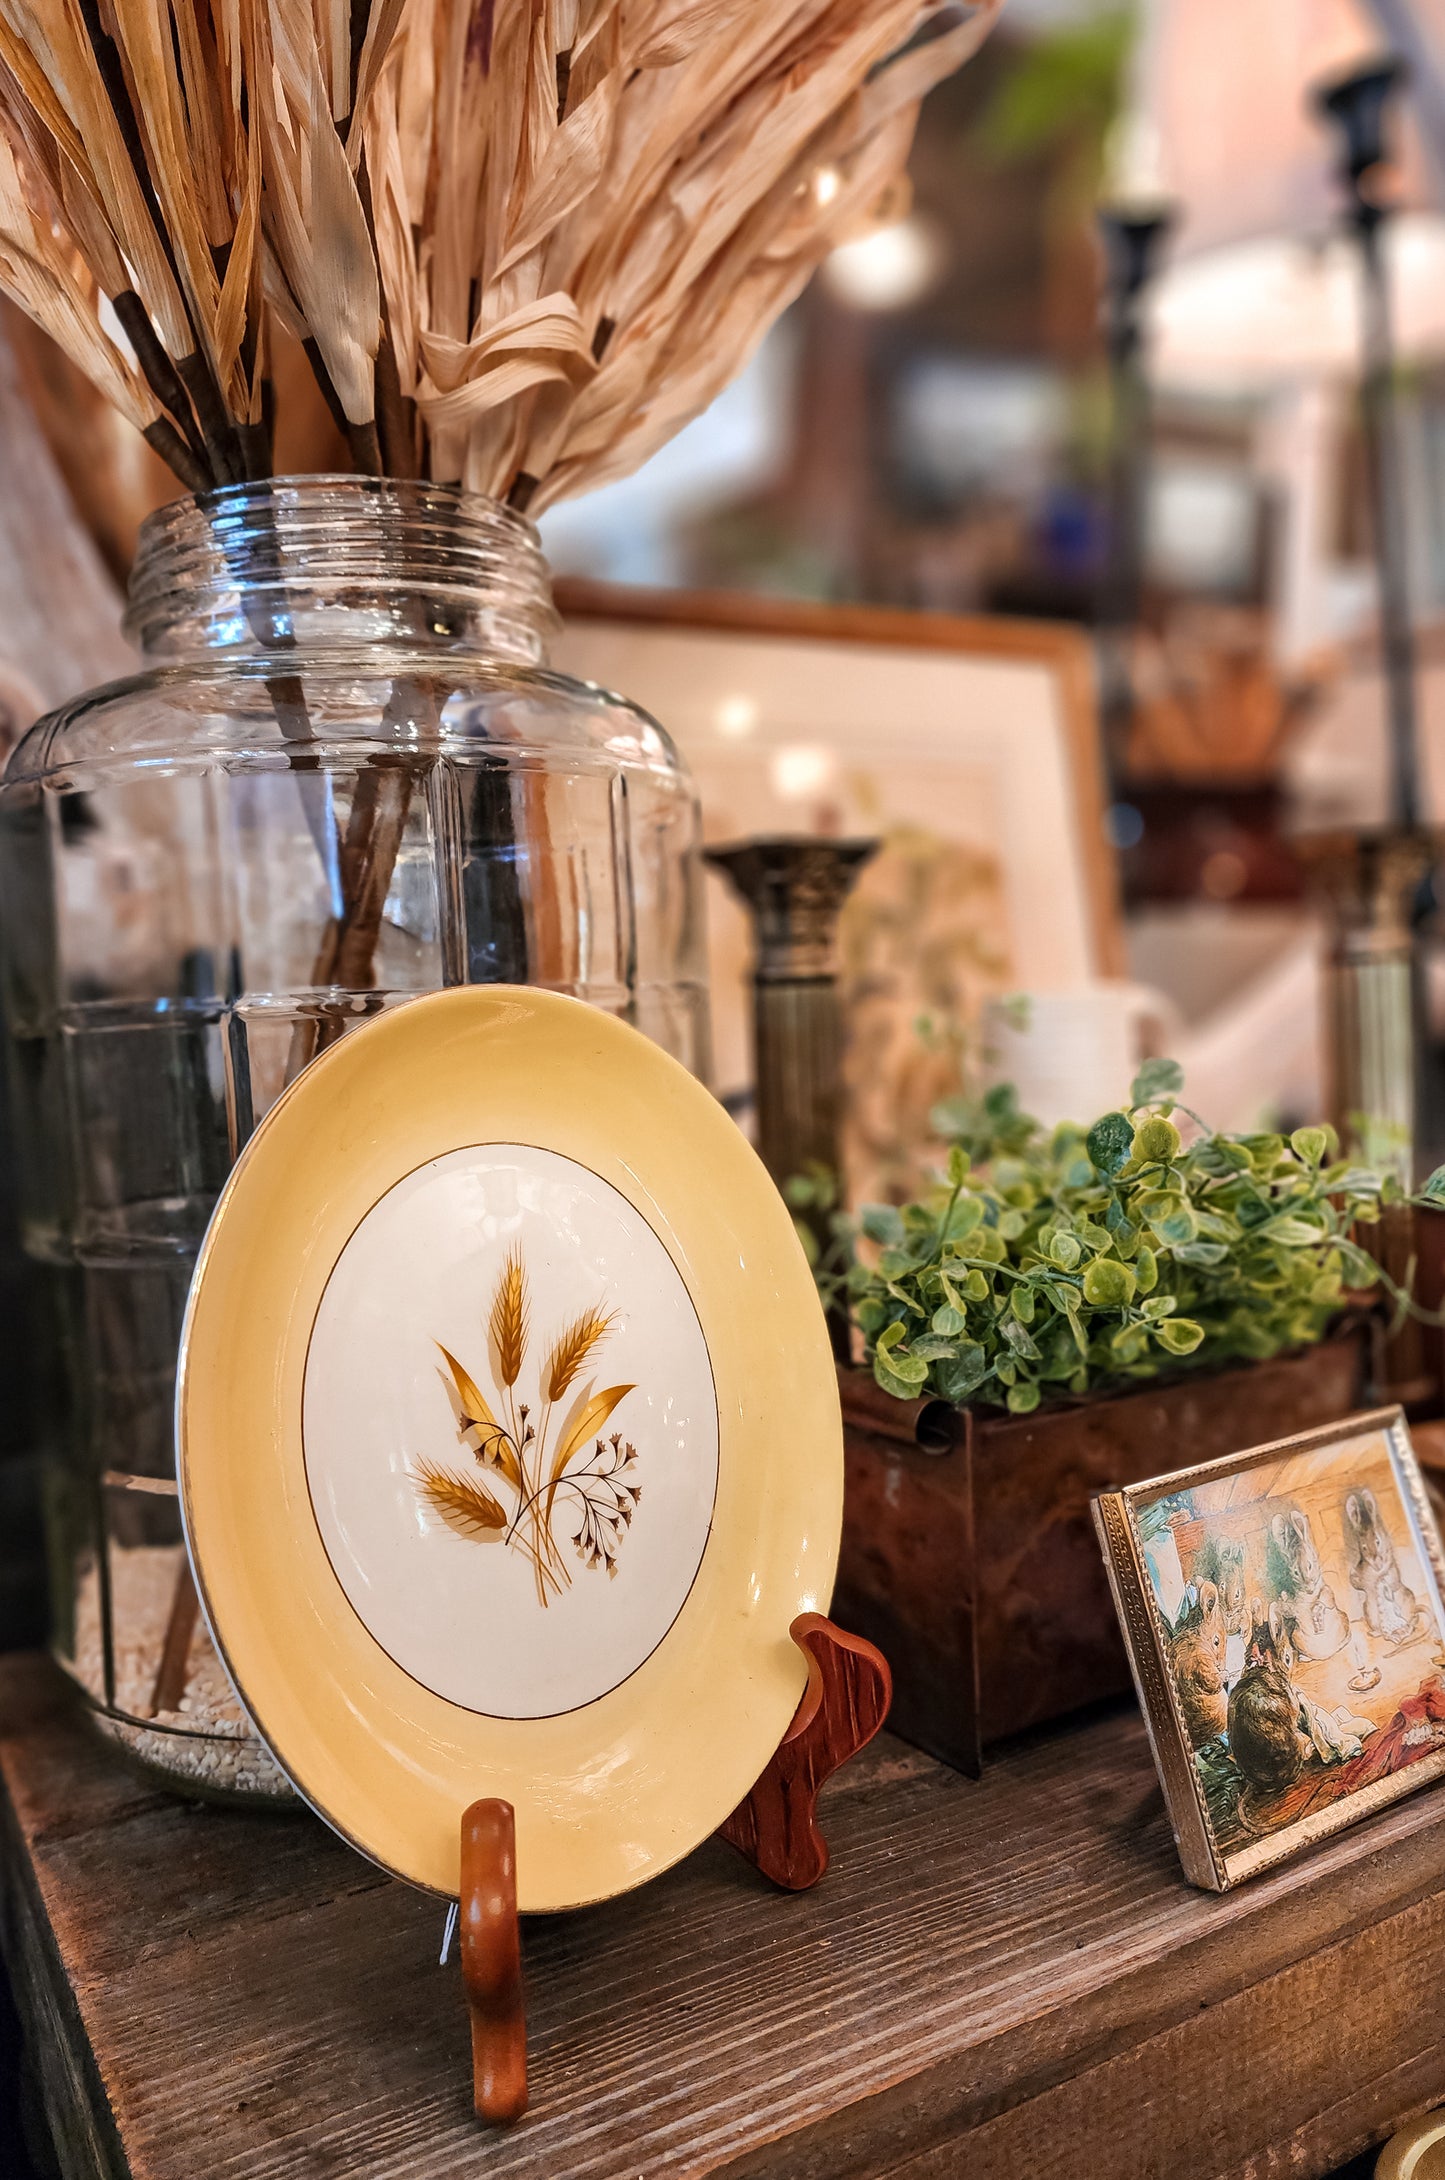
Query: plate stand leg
[(844, 1704), (491, 1949), (842, 1707)]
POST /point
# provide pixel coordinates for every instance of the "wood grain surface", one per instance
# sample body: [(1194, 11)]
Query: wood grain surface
[(1004, 1978)]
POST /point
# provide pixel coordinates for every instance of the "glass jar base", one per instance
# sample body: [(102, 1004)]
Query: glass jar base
[(240, 1773), (206, 1745)]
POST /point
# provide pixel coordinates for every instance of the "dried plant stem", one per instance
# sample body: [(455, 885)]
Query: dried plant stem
[(368, 855), (167, 442), (395, 413), (171, 1673), (322, 377), (257, 451), (493, 819), (163, 378), (365, 444), (345, 960), (395, 416), (218, 432)]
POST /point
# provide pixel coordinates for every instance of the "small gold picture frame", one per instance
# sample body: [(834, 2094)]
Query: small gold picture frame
[(1283, 1618)]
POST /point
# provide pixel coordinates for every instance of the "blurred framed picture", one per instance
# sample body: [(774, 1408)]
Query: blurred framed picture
[(969, 746), (1282, 1613)]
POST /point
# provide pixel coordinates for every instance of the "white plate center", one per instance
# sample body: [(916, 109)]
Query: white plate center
[(510, 1431)]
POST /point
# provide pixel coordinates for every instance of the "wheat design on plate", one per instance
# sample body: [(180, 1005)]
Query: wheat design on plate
[(551, 1461)]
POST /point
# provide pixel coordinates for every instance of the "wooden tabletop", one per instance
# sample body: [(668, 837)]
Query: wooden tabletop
[(998, 1979)]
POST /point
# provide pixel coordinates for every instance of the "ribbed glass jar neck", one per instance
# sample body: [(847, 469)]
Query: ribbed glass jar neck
[(327, 563)]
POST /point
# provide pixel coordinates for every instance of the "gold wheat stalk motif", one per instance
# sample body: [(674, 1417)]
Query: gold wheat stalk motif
[(573, 1349), (509, 1321), (467, 1506), (523, 1457)]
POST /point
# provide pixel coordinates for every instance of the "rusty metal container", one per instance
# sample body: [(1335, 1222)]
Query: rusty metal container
[(968, 1552)]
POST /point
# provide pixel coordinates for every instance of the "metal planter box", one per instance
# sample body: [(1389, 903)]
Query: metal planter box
[(974, 1565)]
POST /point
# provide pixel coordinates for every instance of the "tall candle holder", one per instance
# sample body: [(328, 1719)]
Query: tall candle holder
[(1131, 238), (1359, 105), (1370, 882), (794, 887), (1373, 884)]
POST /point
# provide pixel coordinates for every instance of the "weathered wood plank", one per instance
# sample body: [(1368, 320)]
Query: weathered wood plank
[(997, 1978), (63, 2064)]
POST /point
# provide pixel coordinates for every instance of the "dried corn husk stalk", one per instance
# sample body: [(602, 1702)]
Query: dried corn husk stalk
[(521, 241)]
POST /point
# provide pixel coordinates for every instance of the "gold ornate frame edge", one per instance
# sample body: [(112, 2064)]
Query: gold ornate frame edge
[(1143, 1632), (1142, 1626)]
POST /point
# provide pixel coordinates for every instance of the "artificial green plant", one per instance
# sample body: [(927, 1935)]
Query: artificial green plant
[(1045, 1264)]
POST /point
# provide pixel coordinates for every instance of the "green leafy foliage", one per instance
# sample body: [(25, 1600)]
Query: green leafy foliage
[(1434, 1190), (1046, 1264), (1156, 1082)]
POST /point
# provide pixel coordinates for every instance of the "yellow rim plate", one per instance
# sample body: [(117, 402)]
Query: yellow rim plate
[(321, 1241)]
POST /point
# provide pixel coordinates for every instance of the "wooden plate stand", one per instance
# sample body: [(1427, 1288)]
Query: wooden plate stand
[(842, 1707)]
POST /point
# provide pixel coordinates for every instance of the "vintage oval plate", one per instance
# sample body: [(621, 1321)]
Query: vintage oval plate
[(509, 1442)]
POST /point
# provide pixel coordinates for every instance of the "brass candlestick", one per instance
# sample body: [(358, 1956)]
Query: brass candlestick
[(1132, 238), (1370, 883), (794, 887), (1359, 107)]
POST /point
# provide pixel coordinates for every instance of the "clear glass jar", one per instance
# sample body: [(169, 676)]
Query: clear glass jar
[(344, 777)]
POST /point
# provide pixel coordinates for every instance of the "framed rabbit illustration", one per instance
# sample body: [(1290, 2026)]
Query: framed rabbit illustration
[(1282, 1613)]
